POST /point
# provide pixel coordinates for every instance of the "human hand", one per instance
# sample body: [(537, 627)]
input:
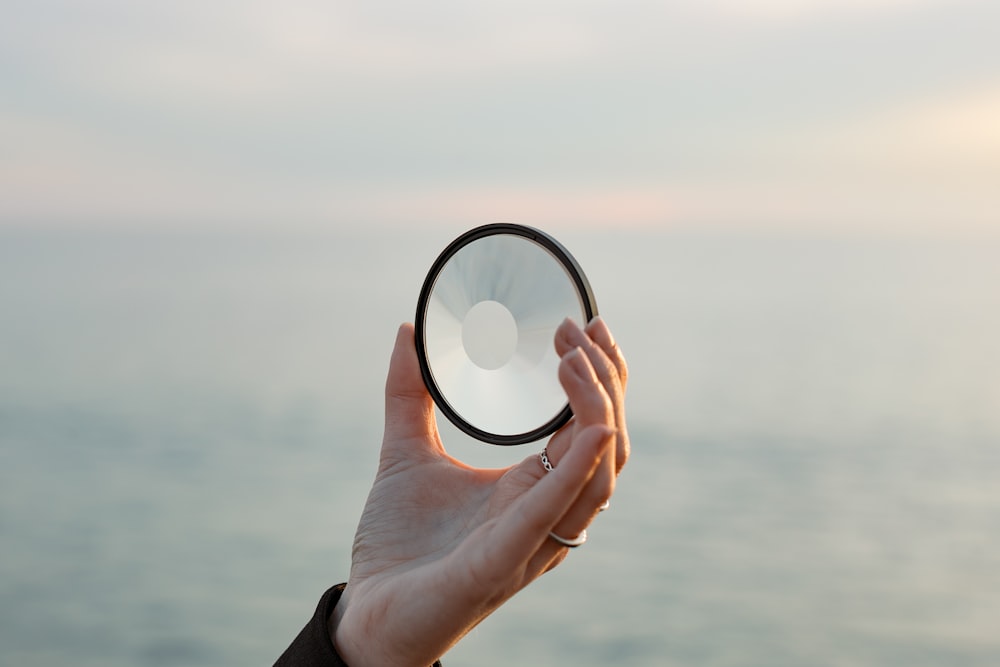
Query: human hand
[(440, 544)]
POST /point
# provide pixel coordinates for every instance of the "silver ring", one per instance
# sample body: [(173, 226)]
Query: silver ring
[(544, 456), (573, 543), (605, 505)]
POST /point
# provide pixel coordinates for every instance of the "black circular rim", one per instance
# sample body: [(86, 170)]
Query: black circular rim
[(583, 289)]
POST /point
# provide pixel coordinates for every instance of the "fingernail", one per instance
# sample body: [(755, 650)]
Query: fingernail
[(600, 329), (596, 321), (577, 360)]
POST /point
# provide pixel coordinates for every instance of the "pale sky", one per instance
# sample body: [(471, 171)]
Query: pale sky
[(878, 116)]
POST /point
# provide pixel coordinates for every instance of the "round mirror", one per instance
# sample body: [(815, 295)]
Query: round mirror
[(486, 318)]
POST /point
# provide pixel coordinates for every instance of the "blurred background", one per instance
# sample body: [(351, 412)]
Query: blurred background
[(213, 215)]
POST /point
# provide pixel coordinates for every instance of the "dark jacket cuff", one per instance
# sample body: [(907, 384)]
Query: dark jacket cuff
[(313, 646)]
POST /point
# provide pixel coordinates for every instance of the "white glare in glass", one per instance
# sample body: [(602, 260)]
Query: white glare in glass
[(490, 323)]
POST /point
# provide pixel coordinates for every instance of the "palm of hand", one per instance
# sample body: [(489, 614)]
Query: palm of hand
[(441, 545), (431, 532), (427, 509)]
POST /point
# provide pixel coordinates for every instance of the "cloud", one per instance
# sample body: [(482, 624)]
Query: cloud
[(746, 114), (955, 135), (796, 11)]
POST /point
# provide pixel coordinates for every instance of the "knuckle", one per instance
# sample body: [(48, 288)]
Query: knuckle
[(600, 490), (623, 454), (623, 370)]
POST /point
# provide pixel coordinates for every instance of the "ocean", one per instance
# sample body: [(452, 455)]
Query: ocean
[(189, 423)]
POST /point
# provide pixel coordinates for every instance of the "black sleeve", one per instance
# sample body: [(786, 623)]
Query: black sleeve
[(313, 647)]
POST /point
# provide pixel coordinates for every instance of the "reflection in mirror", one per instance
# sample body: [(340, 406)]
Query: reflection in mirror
[(485, 326)]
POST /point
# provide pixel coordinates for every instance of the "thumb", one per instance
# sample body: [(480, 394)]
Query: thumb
[(409, 409)]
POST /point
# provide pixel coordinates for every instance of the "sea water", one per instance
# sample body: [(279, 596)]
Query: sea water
[(189, 423)]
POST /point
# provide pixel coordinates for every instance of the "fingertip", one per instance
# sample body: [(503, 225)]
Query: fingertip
[(404, 342), (604, 433), (405, 333), (607, 430), (404, 377), (409, 408), (599, 332), (575, 361), (597, 438), (568, 323), (564, 335)]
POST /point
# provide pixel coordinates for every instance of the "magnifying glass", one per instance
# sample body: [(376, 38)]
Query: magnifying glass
[(486, 317)]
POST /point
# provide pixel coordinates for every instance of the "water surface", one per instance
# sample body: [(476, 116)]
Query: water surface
[(189, 424)]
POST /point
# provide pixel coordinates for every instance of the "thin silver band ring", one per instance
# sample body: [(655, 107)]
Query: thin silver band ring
[(573, 543)]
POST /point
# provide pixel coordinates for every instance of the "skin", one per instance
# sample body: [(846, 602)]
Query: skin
[(441, 545)]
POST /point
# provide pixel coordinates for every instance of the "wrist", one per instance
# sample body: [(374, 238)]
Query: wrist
[(346, 649), (350, 647)]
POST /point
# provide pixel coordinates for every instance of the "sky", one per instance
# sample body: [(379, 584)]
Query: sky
[(816, 116)]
